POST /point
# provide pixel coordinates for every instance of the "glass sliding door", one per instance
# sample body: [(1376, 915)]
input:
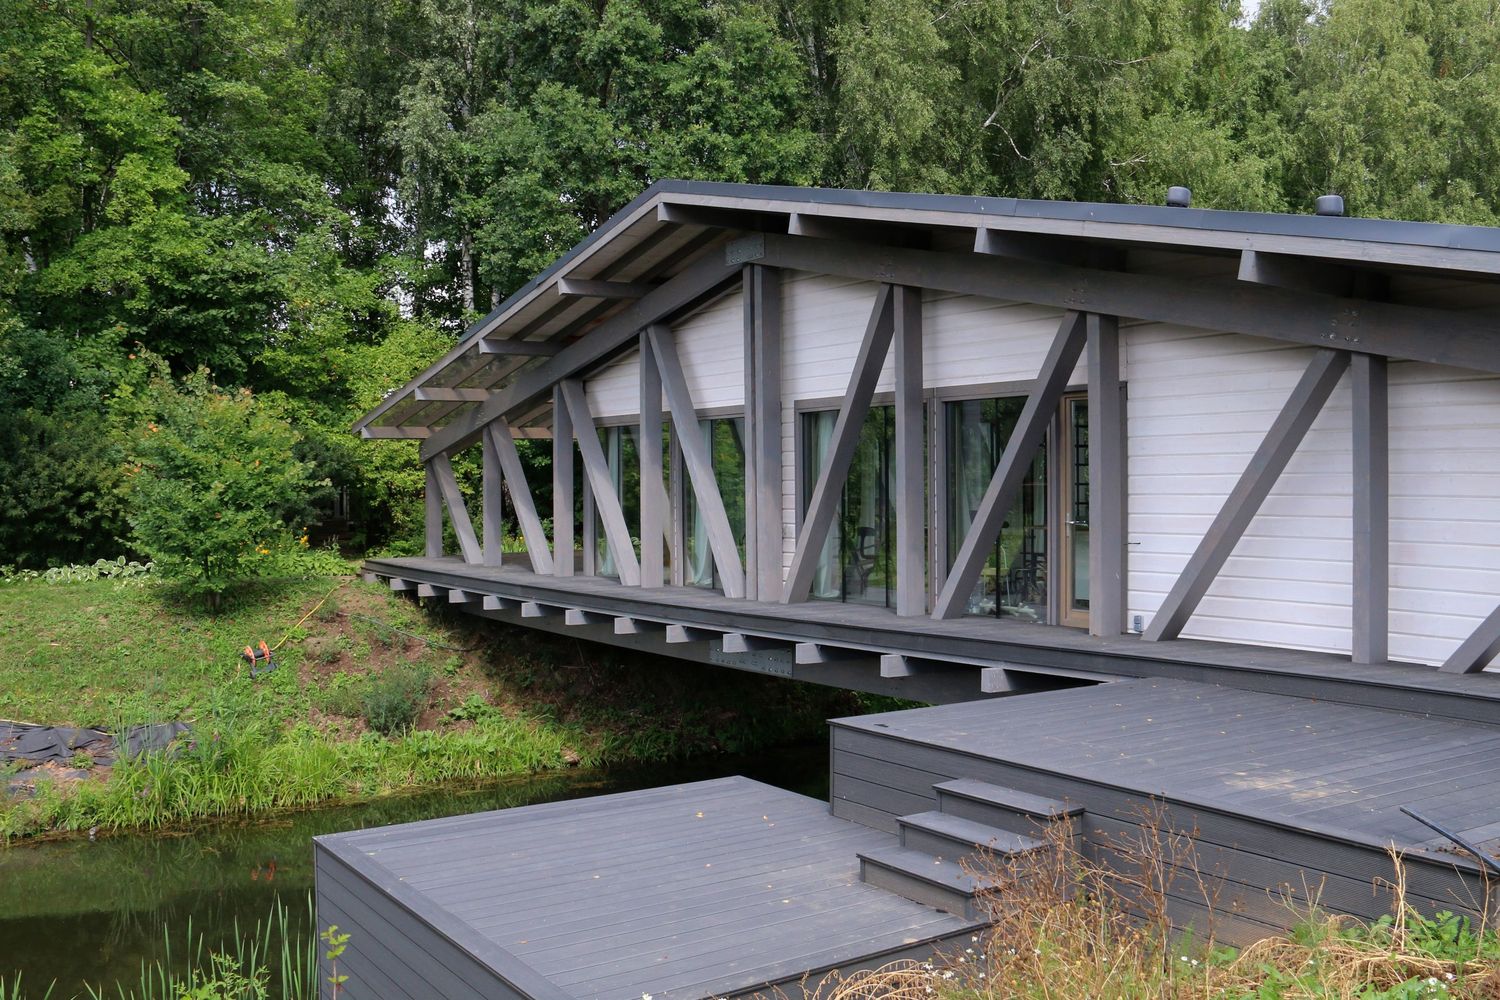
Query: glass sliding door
[(1075, 493), (858, 559), (1015, 581), (724, 437)]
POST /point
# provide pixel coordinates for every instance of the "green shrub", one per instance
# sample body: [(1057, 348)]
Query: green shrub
[(395, 697), (215, 485)]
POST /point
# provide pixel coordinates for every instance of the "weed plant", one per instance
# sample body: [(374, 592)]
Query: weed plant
[(1067, 928)]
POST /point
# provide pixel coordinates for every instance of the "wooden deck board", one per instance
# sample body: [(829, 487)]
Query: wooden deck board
[(722, 882), (1283, 759)]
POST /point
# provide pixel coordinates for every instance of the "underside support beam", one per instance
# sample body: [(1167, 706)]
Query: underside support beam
[(1255, 483), (601, 484), (1476, 652), (829, 488), (562, 486), (458, 511), (1020, 451), (698, 460), (498, 441)]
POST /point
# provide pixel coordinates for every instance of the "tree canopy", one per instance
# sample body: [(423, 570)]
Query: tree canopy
[(311, 198)]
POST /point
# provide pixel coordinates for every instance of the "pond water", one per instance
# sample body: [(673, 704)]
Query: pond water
[(82, 911)]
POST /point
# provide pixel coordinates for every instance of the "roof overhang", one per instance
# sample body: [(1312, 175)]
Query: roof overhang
[(673, 224)]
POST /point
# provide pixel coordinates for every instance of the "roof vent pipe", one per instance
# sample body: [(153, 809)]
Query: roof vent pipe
[(1330, 204), (1179, 197)]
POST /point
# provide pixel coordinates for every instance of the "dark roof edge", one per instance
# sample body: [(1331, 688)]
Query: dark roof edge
[(1429, 234)]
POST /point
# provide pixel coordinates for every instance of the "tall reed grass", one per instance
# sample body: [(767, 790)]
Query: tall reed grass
[(277, 959)]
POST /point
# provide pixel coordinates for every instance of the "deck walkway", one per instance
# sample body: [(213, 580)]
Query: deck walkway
[(1283, 792), (952, 650), (712, 889)]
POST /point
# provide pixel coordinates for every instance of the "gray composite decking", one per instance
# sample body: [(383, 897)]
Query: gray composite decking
[(963, 643), (712, 889), (1276, 790)]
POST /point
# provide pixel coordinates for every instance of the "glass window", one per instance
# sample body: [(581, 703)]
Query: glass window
[(1014, 581), (858, 559), (624, 462)]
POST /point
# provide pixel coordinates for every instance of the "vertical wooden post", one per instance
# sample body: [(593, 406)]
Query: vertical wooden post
[(911, 478), (748, 322), (433, 498), (1106, 478), (1371, 443), (648, 447), (491, 514), (562, 486), (763, 481)]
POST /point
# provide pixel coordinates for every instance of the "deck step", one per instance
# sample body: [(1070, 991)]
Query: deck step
[(922, 878), (954, 838), (1001, 807)]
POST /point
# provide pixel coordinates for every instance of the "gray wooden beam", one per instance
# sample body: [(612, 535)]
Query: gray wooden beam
[(515, 348), (995, 680), (396, 433), (1107, 472), (445, 394), (654, 508), (1437, 336), (1476, 652), (1370, 642), (625, 625), (499, 443), (824, 501), (676, 635), (462, 597), (427, 590), (763, 496), (534, 609), (1039, 248), (397, 584), (813, 653), (601, 485), (458, 511), (740, 642), (492, 512), (495, 602), (577, 617), (911, 453), (591, 289), (1276, 450), (697, 280), (699, 462), (1020, 451), (562, 486), (432, 508), (721, 218), (1304, 274)]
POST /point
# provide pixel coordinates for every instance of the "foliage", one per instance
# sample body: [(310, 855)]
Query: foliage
[(100, 569), (394, 698), (215, 485)]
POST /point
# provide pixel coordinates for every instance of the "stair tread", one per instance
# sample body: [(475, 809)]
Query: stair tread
[(1008, 798), (921, 865), (972, 832)]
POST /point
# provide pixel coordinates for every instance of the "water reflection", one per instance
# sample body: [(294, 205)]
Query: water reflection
[(81, 911)]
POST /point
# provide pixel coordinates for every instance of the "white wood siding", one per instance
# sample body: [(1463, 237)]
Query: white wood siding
[(710, 344), (1199, 405)]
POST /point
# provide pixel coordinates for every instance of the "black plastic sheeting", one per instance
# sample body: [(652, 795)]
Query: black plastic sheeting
[(35, 745)]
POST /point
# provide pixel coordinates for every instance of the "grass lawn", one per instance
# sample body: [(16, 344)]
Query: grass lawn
[(373, 692)]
